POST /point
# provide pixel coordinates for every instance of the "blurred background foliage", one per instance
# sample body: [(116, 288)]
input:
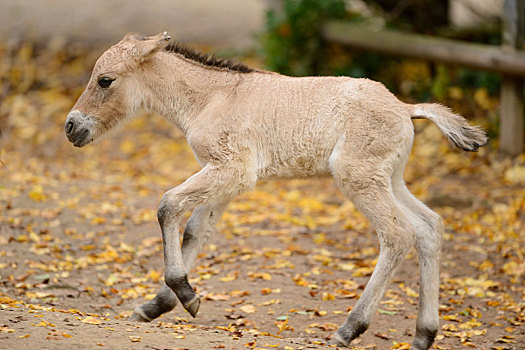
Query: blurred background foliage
[(292, 44)]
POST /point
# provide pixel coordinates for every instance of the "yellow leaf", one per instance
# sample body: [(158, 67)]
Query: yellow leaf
[(454, 318), (327, 296), (450, 327), (515, 175), (205, 276), (282, 325), (319, 238), (265, 276), (455, 92), (98, 220), (300, 281), (91, 320), (270, 302), (41, 295), (127, 147), (111, 280), (411, 293), (22, 238), (505, 339), (135, 338), (363, 271), (217, 297), (229, 278), (34, 237), (249, 309), (482, 98), (126, 248), (45, 324), (154, 275), (479, 331), (401, 346), (37, 194), (149, 296)]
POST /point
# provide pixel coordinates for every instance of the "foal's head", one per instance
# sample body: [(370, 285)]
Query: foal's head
[(112, 92)]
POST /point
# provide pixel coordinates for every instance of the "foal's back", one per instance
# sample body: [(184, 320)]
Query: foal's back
[(292, 125)]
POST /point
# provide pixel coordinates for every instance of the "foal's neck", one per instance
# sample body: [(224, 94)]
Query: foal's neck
[(180, 89)]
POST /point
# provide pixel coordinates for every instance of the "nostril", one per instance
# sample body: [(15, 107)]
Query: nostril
[(69, 127)]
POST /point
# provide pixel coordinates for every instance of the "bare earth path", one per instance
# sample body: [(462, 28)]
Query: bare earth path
[(80, 246)]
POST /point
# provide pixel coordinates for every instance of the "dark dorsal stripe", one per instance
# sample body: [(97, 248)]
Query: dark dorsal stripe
[(207, 60)]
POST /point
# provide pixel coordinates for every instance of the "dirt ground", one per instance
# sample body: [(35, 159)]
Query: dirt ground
[(80, 246)]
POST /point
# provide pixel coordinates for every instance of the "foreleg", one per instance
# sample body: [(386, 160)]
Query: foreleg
[(200, 226), (211, 186)]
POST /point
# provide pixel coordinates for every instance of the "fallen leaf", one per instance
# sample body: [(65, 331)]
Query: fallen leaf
[(92, 320), (249, 309)]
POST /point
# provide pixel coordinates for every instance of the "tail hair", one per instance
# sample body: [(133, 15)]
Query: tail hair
[(457, 130)]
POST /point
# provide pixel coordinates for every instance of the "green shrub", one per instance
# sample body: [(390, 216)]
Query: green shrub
[(292, 43)]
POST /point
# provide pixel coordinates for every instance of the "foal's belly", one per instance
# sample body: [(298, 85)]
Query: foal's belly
[(277, 165)]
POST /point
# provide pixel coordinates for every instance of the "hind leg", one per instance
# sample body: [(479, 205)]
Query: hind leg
[(366, 180), (429, 230)]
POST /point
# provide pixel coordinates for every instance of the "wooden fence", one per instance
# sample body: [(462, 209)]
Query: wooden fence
[(507, 60)]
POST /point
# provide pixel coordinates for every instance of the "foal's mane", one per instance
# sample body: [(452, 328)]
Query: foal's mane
[(207, 60)]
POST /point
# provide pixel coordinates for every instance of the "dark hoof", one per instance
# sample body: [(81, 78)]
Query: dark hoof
[(193, 306), (424, 338), (349, 331), (139, 316), (337, 340)]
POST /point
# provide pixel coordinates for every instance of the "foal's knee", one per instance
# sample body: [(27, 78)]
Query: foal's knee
[(164, 210), (169, 208)]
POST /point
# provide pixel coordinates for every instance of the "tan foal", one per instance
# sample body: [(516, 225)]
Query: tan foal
[(245, 125)]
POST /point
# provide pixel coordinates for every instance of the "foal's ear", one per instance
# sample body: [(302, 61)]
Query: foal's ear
[(141, 48)]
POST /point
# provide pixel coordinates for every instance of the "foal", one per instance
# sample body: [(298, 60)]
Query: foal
[(245, 125)]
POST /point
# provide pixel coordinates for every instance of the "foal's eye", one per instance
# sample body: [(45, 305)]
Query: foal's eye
[(105, 82)]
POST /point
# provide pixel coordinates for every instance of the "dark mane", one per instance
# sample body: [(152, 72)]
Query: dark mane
[(207, 60)]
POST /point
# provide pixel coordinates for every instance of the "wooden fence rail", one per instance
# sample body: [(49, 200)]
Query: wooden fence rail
[(426, 47), (505, 60)]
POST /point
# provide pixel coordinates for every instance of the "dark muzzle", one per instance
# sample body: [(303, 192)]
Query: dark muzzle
[(78, 128)]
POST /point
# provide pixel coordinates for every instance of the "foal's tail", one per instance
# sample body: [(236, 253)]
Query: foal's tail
[(456, 128)]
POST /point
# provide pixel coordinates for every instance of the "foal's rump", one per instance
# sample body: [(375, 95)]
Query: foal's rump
[(376, 106)]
